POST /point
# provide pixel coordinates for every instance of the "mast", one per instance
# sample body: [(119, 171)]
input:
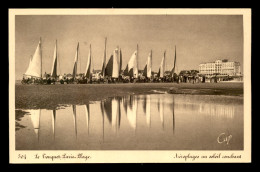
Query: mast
[(137, 59), (151, 61), (56, 59), (104, 59), (41, 54), (54, 63), (164, 64), (75, 63), (120, 63), (174, 59), (174, 63)]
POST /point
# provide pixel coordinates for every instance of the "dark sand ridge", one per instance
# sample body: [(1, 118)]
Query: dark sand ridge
[(51, 96)]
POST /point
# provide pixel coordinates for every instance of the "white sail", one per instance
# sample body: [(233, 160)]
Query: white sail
[(148, 110), (104, 60), (34, 68), (88, 68), (115, 72), (132, 64), (131, 114), (35, 118), (75, 62), (55, 62), (162, 66), (149, 65)]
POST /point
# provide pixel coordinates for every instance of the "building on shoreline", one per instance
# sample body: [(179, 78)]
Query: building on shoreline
[(220, 67)]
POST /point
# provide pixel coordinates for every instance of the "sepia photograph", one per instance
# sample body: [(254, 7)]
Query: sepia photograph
[(128, 85)]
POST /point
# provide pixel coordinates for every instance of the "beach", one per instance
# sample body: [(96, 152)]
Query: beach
[(52, 96)]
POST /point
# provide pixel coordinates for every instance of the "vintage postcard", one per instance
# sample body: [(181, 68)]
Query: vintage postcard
[(130, 85)]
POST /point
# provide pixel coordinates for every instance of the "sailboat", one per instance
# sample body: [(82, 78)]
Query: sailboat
[(112, 67), (173, 69), (162, 66), (74, 73), (55, 62), (148, 66), (120, 61), (89, 64), (34, 69), (131, 67), (104, 60)]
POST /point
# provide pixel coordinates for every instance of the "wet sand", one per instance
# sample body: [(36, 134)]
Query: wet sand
[(51, 96)]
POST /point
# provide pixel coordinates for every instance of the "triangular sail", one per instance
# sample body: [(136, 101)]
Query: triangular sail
[(126, 70), (120, 60), (104, 61), (145, 70), (55, 62), (74, 73), (112, 67), (132, 66), (148, 66), (173, 69), (109, 67), (88, 68), (115, 72), (162, 67), (35, 67)]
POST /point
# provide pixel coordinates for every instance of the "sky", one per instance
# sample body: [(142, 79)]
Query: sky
[(198, 39)]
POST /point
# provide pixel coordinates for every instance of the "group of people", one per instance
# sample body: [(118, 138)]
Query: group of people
[(121, 79)]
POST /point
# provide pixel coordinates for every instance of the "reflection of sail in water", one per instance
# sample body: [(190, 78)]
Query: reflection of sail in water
[(219, 111), (115, 113), (35, 118), (161, 110), (173, 117), (75, 118), (148, 110), (53, 122), (124, 103), (87, 116), (112, 111), (131, 112), (144, 105), (103, 118)]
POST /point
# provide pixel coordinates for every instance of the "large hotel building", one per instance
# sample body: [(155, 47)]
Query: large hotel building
[(222, 67)]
